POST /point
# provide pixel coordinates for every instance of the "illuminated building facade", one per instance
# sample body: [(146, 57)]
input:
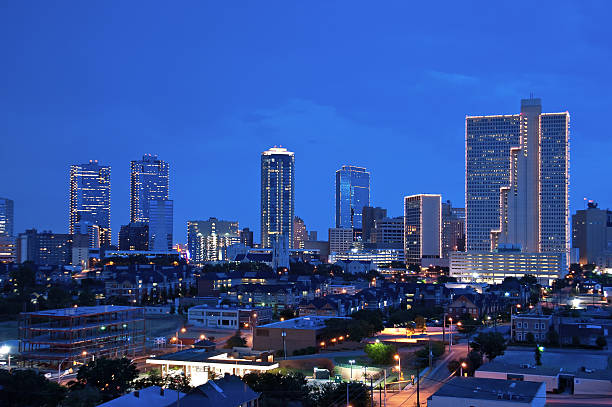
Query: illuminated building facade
[(277, 194), (134, 236), (352, 194), (90, 194), (493, 267), (7, 217), (517, 178), (422, 227), (149, 181), (44, 248), (300, 234), (207, 240)]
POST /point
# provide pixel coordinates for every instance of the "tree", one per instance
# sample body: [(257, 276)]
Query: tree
[(601, 342), (287, 313), (235, 341), (86, 298), (334, 394), (279, 389), (58, 297), (83, 397), (374, 319), (466, 324), (552, 337), (112, 376), (28, 388), (528, 279), (419, 324), (538, 355), (380, 353), (491, 344)]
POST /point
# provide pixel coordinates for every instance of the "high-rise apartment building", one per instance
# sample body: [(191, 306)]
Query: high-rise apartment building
[(517, 177), (149, 181), (90, 197), (277, 194), (7, 217), (300, 234), (161, 218), (207, 240), (134, 236), (45, 248), (369, 215), (422, 227), (352, 194), (592, 235)]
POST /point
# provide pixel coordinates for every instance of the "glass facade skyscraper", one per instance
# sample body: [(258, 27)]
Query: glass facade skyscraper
[(90, 194), (160, 224), (277, 194), (352, 194), (149, 181), (7, 217)]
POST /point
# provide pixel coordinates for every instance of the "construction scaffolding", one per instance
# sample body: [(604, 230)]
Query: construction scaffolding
[(79, 334)]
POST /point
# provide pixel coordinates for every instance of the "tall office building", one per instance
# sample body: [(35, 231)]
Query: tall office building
[(207, 240), (422, 227), (246, 237), (277, 194), (90, 195), (340, 240), (149, 181), (517, 177), (592, 235), (160, 224), (352, 194), (7, 217), (369, 216), (453, 225), (389, 233), (300, 234), (45, 248)]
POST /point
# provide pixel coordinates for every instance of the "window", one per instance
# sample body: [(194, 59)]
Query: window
[(518, 325)]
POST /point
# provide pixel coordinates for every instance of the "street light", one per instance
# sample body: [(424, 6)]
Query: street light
[(284, 335), (351, 362), (450, 334), (463, 366), (399, 365)]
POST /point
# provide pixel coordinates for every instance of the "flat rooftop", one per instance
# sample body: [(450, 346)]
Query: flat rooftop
[(306, 322), (489, 389), (81, 311), (202, 356), (554, 362)]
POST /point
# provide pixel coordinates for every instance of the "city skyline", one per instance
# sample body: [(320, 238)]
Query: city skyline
[(210, 122)]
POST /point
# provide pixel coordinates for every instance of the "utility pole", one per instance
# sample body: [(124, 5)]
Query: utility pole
[(371, 392), (418, 385), (347, 394)]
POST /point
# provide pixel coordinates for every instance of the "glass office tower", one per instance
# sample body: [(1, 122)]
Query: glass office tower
[(352, 194), (90, 192), (149, 181), (277, 194), (160, 224)]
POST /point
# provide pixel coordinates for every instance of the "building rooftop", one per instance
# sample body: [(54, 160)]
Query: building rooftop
[(82, 311), (306, 322), (227, 391), (213, 356), (147, 397), (489, 389)]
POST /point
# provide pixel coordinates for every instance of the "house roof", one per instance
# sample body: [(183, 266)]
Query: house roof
[(147, 397), (229, 391)]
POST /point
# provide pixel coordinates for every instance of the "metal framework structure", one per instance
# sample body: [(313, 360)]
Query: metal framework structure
[(55, 336)]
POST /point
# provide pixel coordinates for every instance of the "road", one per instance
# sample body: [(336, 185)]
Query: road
[(429, 384)]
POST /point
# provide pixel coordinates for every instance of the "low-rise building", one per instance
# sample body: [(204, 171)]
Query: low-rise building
[(199, 364), (290, 335), (525, 325), (484, 392), (226, 317)]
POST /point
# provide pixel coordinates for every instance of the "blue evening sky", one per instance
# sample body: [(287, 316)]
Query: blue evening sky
[(209, 85)]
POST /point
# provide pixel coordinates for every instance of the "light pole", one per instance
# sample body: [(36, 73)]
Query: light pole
[(463, 366), (284, 335), (450, 334), (399, 365), (518, 306), (351, 362)]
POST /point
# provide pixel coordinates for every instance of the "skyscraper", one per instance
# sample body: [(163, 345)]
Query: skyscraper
[(90, 193), (369, 216), (352, 194), (149, 181), (422, 227), (207, 240), (453, 229), (277, 194), (517, 177), (160, 224), (7, 217), (134, 236), (592, 235), (300, 234)]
